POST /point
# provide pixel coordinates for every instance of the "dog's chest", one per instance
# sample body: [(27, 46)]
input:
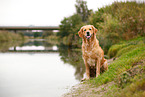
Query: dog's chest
[(90, 57), (91, 61), (88, 53)]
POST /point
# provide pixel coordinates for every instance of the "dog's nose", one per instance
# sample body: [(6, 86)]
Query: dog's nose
[(88, 33)]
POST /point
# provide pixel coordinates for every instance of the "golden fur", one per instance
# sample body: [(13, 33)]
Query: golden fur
[(93, 55)]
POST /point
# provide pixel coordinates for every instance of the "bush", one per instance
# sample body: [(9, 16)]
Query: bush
[(116, 22), (119, 21), (6, 36)]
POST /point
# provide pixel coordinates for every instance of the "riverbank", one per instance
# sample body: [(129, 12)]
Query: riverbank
[(88, 90), (125, 77), (85, 89)]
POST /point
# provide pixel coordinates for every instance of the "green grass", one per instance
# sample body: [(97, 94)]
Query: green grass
[(129, 54), (119, 49), (134, 89)]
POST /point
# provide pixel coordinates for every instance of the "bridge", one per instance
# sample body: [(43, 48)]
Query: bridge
[(29, 28)]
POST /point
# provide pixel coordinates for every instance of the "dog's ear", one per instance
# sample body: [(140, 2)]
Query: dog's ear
[(81, 32), (95, 30)]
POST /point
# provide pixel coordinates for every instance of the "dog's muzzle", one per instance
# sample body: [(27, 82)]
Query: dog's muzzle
[(88, 35)]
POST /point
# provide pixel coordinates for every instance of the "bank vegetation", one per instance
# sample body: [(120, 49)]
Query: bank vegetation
[(121, 33), (6, 36), (116, 22)]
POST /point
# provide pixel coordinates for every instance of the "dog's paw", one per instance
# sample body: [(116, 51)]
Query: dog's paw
[(84, 79), (97, 75)]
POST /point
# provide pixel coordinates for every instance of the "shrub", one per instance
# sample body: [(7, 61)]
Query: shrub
[(9, 36), (119, 21)]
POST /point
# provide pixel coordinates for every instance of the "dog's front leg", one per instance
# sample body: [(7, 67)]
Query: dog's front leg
[(98, 67), (87, 70)]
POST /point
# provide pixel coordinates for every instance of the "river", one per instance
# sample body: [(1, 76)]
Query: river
[(37, 68)]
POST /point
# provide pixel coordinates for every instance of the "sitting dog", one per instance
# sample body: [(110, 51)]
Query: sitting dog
[(93, 55)]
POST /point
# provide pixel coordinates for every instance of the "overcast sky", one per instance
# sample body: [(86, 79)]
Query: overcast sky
[(41, 12)]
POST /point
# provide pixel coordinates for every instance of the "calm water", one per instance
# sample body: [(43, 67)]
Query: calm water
[(25, 73)]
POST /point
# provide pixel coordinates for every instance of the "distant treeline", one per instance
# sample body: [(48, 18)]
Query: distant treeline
[(31, 34), (9, 35), (116, 22), (6, 36)]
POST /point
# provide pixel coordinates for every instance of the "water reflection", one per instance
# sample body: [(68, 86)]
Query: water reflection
[(45, 69), (34, 75), (73, 57), (35, 45), (33, 48)]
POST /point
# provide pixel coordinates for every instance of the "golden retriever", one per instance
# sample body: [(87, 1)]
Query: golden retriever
[(93, 55)]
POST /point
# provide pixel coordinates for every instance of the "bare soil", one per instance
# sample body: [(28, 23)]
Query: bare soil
[(88, 90)]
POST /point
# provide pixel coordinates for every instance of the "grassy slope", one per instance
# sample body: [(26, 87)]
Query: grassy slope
[(126, 70)]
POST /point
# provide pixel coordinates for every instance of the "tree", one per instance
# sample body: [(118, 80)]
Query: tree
[(36, 34), (47, 33), (64, 27), (82, 10), (69, 25)]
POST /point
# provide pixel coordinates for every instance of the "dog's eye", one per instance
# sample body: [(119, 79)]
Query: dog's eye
[(90, 29), (84, 29)]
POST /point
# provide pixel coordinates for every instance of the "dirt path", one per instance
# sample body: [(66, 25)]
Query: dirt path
[(87, 90)]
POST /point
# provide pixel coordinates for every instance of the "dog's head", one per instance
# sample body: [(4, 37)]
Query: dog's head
[(87, 31)]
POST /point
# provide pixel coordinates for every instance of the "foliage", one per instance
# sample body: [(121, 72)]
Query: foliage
[(82, 10), (69, 28), (109, 31), (6, 36), (47, 33), (22, 35), (70, 25), (116, 22), (36, 34), (119, 21)]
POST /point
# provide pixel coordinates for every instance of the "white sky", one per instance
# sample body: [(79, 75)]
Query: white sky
[(41, 12)]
